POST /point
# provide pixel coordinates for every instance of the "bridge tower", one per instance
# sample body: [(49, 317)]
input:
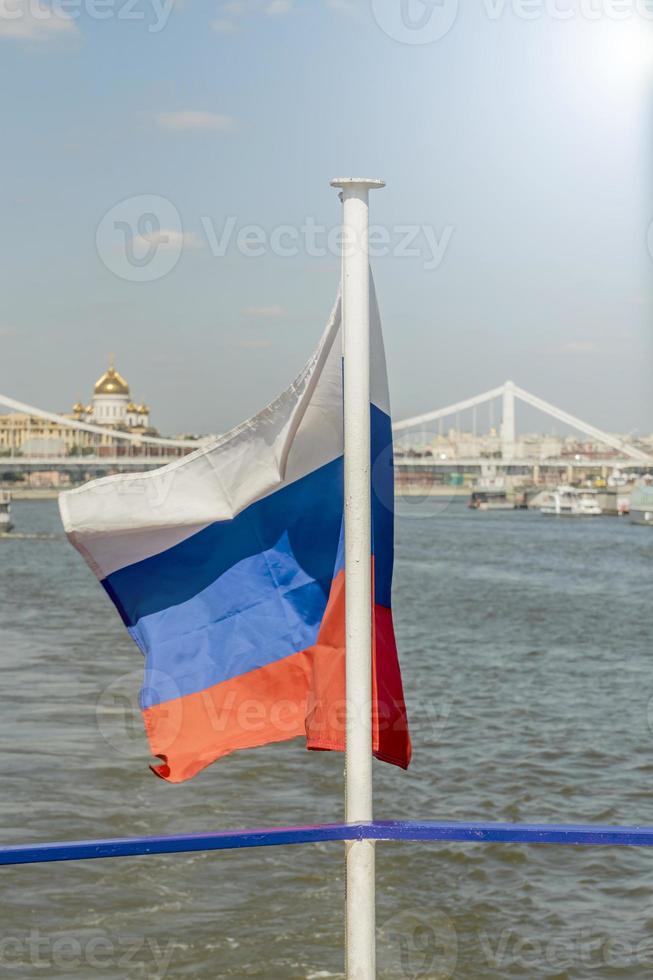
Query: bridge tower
[(508, 421)]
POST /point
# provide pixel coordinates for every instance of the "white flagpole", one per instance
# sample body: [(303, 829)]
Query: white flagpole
[(360, 938)]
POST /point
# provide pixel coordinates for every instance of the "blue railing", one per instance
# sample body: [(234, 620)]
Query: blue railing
[(381, 830)]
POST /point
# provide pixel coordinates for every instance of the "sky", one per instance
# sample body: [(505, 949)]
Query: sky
[(165, 175)]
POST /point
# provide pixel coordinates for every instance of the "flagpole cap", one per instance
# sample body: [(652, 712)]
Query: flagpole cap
[(363, 183)]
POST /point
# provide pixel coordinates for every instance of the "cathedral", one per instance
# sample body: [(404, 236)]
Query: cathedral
[(112, 407), (112, 404)]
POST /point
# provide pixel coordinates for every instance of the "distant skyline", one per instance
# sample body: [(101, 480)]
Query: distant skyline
[(167, 200)]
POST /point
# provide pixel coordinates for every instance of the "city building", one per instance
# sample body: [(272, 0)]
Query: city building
[(461, 445), (111, 408)]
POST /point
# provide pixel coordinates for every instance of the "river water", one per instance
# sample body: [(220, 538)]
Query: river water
[(526, 650)]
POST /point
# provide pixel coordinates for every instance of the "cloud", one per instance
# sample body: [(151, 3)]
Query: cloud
[(579, 347), (232, 14), (277, 7), (264, 311), (168, 238), (30, 20), (194, 120), (235, 14)]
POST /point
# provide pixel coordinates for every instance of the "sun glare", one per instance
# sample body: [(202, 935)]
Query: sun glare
[(624, 52)]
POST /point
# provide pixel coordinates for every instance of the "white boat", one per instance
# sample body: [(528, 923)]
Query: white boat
[(5, 512), (571, 502), (641, 502)]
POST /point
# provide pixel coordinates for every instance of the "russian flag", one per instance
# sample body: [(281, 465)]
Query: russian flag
[(227, 569)]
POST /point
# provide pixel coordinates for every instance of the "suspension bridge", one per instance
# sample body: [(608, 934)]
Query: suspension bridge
[(419, 449), (469, 447), (110, 449)]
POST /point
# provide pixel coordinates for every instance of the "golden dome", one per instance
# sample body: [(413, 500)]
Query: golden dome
[(132, 408), (143, 410), (111, 383), (78, 409)]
